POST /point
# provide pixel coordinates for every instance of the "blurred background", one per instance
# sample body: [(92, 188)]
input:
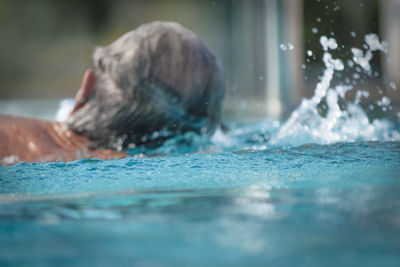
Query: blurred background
[(269, 49)]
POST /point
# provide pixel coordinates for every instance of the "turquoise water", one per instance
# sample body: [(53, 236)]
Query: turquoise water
[(314, 205), (320, 189)]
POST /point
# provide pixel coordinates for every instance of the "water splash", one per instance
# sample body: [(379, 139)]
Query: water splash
[(307, 124), (65, 108), (340, 124)]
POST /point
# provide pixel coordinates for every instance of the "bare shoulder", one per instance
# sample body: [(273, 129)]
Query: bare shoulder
[(14, 129), (35, 140), (25, 138)]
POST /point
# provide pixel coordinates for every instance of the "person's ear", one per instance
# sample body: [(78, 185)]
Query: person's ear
[(88, 82)]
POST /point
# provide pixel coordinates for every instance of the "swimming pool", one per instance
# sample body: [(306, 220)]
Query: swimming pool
[(316, 190), (310, 205)]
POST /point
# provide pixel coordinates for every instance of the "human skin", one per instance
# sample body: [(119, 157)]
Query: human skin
[(35, 140), (157, 78)]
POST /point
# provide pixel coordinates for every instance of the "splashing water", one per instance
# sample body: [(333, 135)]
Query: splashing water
[(307, 125), (309, 205), (65, 108)]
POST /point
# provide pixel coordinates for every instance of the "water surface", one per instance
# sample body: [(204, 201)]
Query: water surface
[(316, 190), (311, 205)]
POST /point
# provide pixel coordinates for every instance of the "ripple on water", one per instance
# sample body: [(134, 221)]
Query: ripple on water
[(313, 190)]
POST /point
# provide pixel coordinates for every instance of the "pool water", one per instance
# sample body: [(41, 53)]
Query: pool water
[(309, 205), (315, 190)]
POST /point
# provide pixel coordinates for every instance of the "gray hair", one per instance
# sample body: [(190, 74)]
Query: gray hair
[(159, 77)]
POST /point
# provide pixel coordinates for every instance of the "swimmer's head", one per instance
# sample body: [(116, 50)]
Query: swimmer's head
[(160, 76)]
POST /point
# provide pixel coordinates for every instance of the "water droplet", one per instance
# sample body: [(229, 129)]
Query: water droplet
[(303, 66), (393, 86), (314, 30), (350, 63), (131, 145), (353, 34), (290, 46), (336, 7), (261, 78), (283, 47), (318, 20), (328, 43), (384, 102)]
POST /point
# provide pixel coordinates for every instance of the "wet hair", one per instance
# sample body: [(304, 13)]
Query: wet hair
[(159, 78)]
